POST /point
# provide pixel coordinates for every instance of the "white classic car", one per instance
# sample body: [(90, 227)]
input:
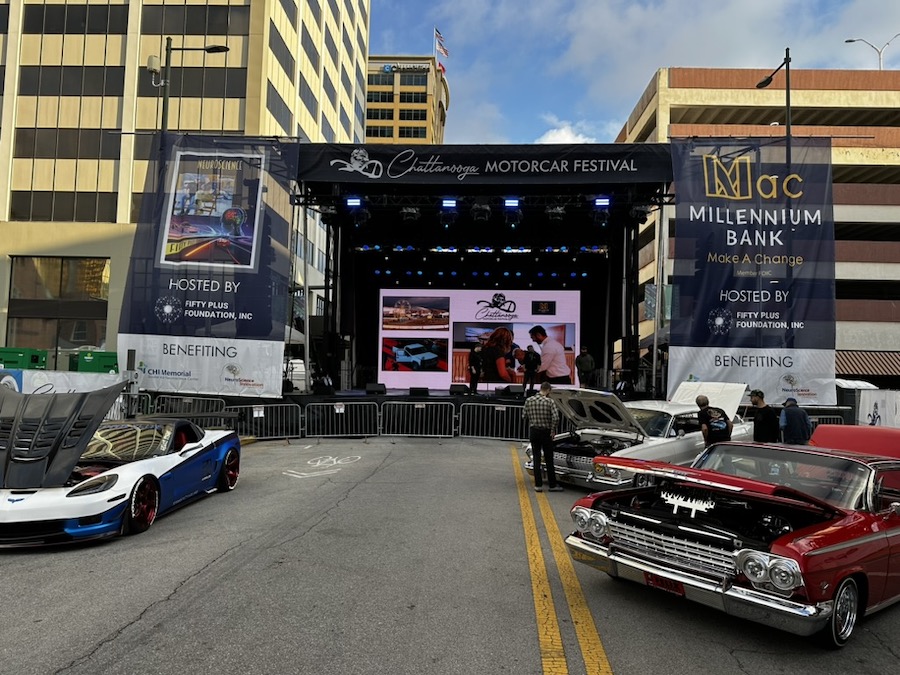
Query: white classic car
[(666, 431)]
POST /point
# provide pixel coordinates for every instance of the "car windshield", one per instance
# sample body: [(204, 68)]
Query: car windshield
[(412, 350), (654, 422), (837, 480), (127, 442)]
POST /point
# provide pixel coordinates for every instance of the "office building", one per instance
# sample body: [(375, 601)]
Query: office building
[(81, 113), (860, 112)]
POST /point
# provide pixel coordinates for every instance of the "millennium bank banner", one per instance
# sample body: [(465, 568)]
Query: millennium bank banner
[(754, 266), (206, 296)]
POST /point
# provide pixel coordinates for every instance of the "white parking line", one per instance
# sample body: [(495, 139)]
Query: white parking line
[(298, 474)]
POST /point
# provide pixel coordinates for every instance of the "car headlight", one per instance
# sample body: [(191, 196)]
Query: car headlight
[(784, 574), (93, 486), (599, 525), (582, 519), (770, 571)]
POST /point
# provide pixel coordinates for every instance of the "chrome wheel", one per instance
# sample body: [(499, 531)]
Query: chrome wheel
[(844, 615)]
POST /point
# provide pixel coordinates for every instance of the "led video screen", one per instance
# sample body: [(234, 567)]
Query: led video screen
[(425, 336)]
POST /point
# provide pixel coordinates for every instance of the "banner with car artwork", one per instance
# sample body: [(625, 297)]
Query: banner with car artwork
[(754, 266), (207, 293)]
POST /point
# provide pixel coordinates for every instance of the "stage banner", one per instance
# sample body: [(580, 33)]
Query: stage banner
[(207, 297), (754, 266)]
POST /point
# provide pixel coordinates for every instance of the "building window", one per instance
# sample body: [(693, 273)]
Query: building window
[(315, 9), (173, 19), (58, 304), (345, 121), (80, 207), (310, 48), (74, 19), (327, 131), (71, 80), (200, 83), (381, 79), (278, 108), (67, 143), (308, 97), (379, 132), (331, 47), (335, 11), (281, 51), (413, 97), (413, 79), (328, 87), (348, 43), (414, 115), (380, 97), (413, 132), (290, 9), (379, 113)]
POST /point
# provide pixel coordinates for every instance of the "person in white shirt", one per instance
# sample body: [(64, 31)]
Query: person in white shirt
[(553, 368)]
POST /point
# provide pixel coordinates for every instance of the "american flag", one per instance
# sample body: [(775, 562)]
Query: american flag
[(442, 49), (438, 36), (441, 66)]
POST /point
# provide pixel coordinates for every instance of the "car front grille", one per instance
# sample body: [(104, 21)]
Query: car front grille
[(673, 550)]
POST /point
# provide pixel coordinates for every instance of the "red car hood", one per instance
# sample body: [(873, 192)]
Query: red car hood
[(711, 479)]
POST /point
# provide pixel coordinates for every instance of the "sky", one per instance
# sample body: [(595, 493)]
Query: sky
[(571, 71)]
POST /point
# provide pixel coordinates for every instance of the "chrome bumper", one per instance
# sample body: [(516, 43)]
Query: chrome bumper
[(780, 613)]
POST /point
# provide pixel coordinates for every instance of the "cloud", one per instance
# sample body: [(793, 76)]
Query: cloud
[(564, 131)]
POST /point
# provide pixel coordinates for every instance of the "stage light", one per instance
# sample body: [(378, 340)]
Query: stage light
[(481, 212), (409, 213), (448, 203), (354, 202), (602, 202), (511, 202), (555, 212)]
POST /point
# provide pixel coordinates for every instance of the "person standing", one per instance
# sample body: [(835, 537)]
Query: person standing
[(542, 415), (765, 419), (495, 366), (474, 368), (553, 368), (531, 361), (584, 364), (714, 423), (796, 427)]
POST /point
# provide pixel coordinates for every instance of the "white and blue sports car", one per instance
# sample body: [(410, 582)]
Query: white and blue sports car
[(67, 476)]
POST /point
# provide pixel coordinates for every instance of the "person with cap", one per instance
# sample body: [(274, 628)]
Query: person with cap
[(766, 428), (714, 423), (796, 427)]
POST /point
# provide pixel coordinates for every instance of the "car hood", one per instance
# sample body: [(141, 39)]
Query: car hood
[(708, 479), (592, 409), (42, 436)]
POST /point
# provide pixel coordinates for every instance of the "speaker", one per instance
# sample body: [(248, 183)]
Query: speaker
[(459, 389), (418, 391), (375, 388), (515, 390)]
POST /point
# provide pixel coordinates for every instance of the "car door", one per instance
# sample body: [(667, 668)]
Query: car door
[(888, 493), (194, 469)]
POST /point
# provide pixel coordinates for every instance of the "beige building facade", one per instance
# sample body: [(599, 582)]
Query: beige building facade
[(860, 112), (80, 113)]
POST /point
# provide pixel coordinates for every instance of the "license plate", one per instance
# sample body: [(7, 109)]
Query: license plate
[(668, 585)]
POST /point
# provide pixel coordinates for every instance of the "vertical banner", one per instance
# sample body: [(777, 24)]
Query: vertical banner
[(754, 266), (205, 305)]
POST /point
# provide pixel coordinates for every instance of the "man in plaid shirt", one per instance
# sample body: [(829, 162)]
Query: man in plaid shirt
[(542, 415)]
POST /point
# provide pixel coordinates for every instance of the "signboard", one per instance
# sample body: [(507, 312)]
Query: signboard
[(205, 306), (754, 267)]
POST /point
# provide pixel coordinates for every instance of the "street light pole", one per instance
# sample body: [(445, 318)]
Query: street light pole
[(880, 51), (765, 82)]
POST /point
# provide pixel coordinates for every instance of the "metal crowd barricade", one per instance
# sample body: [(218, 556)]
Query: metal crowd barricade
[(279, 420), (825, 419), (129, 405), (185, 405), (417, 418), (501, 421), (353, 418)]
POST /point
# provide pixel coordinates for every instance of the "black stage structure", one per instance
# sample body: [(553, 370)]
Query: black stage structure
[(446, 217)]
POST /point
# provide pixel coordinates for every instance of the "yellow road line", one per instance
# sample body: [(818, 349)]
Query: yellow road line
[(595, 661), (553, 656)]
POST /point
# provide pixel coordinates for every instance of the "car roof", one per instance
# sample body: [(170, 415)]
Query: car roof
[(871, 441)]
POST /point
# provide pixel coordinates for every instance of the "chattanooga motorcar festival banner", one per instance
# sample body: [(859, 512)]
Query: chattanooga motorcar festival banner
[(205, 305), (754, 266), (426, 335)]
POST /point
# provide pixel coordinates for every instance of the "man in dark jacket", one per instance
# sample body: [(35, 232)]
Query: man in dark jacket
[(796, 427), (714, 423), (765, 419)]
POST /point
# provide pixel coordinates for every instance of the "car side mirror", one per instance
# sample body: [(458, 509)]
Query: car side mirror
[(189, 448)]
